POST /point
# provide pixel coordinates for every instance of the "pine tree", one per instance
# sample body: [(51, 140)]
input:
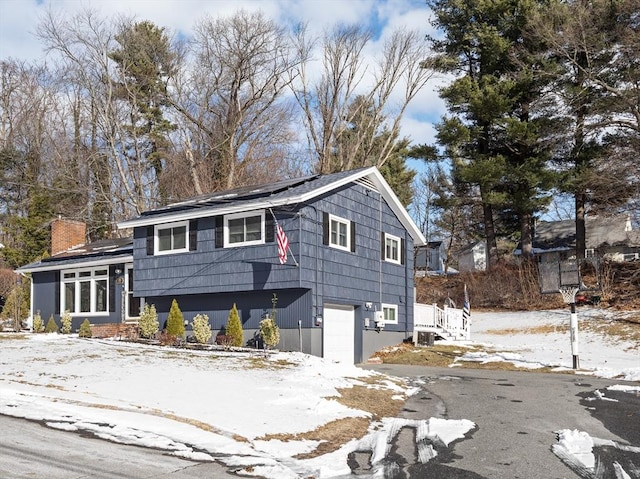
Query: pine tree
[(270, 332), (52, 326), (234, 327), (85, 329), (175, 321), (148, 322)]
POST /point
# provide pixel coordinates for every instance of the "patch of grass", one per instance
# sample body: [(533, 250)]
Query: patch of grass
[(542, 329), (11, 336), (436, 356)]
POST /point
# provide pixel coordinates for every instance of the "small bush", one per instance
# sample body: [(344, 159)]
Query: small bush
[(148, 322), (225, 341), (38, 324), (66, 322), (270, 332), (85, 329), (175, 321), (234, 327), (201, 328), (52, 326)]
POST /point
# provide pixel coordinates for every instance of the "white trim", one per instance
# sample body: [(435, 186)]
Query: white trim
[(393, 307), (92, 279), (398, 241), (80, 265), (171, 226), (372, 174), (347, 224), (246, 214)]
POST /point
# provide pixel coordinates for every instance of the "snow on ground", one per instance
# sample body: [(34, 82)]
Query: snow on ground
[(219, 406), (201, 405), (505, 334)]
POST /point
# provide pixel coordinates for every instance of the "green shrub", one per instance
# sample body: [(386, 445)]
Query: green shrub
[(38, 324), (148, 322), (66, 322), (52, 326), (201, 328), (85, 329), (175, 321), (234, 327), (270, 332)]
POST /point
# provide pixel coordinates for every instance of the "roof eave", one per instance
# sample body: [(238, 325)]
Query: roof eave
[(65, 264)]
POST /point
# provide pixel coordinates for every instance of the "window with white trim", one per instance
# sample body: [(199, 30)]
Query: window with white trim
[(392, 248), (171, 238), (339, 233), (244, 229), (390, 313), (85, 291)]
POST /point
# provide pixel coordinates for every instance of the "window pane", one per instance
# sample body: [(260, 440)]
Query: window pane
[(69, 297), (100, 272), (334, 232), (84, 274), (392, 249), (180, 237), (164, 240), (85, 296), (254, 228), (69, 275), (342, 234), (390, 314), (101, 295), (236, 230), (134, 306)]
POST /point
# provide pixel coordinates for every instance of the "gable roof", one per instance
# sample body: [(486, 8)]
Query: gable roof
[(600, 231), (277, 194)]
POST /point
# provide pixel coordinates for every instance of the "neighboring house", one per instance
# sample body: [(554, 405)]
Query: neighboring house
[(472, 257), (346, 290), (431, 257), (610, 237)]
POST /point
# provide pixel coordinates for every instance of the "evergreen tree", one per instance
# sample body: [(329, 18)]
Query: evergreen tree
[(493, 136), (148, 322), (234, 327), (67, 322), (52, 326), (175, 321), (201, 328), (85, 329), (269, 332), (38, 324)]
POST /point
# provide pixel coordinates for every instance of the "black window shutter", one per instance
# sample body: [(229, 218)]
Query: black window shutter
[(269, 227), (219, 231), (150, 234), (402, 252), (112, 287), (325, 228), (353, 237), (383, 246), (193, 235), (56, 278)]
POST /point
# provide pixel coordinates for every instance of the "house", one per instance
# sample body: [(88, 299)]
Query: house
[(431, 257), (473, 257), (610, 237), (345, 291)]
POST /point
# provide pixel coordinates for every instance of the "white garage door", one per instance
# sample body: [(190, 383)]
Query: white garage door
[(338, 333)]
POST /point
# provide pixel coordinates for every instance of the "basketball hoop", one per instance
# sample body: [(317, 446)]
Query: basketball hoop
[(569, 294)]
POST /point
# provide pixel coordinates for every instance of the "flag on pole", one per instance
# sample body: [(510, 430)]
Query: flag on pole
[(283, 244), (466, 306)]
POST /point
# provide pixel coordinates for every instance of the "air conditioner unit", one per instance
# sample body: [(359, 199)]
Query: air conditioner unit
[(378, 317)]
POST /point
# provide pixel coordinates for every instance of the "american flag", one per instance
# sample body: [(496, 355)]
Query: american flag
[(283, 244), (466, 306)]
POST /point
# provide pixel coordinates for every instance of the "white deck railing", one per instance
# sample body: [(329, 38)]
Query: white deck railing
[(447, 322)]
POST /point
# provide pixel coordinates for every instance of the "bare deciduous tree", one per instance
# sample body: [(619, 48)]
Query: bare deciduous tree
[(346, 93)]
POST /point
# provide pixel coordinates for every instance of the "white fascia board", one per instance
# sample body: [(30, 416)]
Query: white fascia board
[(52, 266)]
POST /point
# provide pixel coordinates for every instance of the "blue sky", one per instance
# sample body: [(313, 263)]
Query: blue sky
[(19, 18)]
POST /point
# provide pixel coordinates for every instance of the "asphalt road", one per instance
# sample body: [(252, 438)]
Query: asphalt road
[(517, 414), (31, 450)]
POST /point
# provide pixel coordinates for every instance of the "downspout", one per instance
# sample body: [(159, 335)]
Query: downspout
[(380, 260)]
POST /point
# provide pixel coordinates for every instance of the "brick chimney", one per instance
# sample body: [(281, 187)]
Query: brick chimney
[(66, 234)]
